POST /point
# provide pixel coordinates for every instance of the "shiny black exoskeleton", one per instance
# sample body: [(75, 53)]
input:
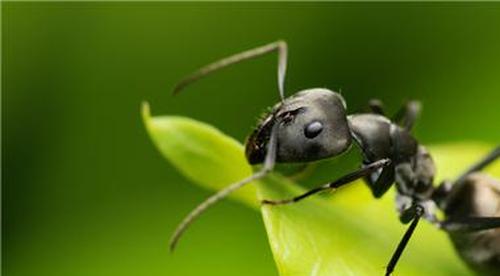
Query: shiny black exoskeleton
[(313, 124), (390, 153)]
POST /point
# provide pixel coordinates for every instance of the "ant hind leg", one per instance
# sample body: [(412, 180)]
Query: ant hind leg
[(481, 164), (470, 224)]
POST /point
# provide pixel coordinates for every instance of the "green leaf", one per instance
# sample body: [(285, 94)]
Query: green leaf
[(201, 153), (351, 233), (346, 233)]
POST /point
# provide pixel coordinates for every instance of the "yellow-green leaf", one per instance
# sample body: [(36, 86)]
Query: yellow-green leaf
[(201, 153), (351, 233), (345, 233)]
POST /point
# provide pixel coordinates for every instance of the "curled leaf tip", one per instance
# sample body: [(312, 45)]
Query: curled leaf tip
[(145, 111)]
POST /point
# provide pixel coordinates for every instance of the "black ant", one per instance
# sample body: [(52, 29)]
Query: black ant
[(313, 125)]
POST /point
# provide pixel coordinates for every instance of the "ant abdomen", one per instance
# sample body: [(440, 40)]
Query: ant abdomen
[(478, 197)]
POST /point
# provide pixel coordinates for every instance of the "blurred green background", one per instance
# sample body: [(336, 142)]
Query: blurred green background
[(86, 193)]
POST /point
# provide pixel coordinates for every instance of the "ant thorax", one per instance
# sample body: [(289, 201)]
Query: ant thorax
[(412, 168)]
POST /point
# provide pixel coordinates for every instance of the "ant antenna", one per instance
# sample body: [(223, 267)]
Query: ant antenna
[(279, 46), (268, 166)]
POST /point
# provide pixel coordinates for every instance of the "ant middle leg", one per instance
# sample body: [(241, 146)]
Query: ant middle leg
[(413, 214), (383, 181), (348, 178)]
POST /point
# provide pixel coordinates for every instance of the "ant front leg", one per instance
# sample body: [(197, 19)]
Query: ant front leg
[(348, 178)]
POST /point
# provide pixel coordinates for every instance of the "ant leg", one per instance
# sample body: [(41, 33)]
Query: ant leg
[(407, 115), (202, 207), (279, 46), (417, 211), (383, 183), (376, 106), (335, 184), (485, 161), (470, 224), (448, 191)]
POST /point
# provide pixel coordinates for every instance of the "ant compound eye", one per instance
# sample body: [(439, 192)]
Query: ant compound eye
[(313, 129)]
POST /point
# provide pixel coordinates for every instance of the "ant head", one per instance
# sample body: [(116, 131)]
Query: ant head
[(312, 126)]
